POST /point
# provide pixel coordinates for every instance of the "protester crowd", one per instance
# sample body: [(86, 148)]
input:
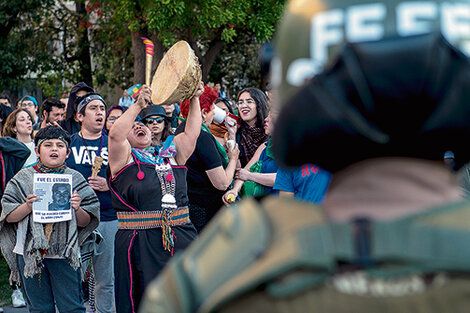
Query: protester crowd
[(147, 179)]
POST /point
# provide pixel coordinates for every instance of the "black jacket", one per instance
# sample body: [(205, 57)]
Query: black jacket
[(13, 155)]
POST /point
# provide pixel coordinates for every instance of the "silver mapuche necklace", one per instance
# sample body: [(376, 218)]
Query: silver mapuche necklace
[(168, 186)]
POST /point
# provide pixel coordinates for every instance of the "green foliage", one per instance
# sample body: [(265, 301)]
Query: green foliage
[(228, 34), (237, 66), (15, 18), (111, 50), (5, 289), (44, 39), (201, 19)]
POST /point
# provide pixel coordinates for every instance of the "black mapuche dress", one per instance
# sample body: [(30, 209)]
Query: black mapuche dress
[(151, 225)]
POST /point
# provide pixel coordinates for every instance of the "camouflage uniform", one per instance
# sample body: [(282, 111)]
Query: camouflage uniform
[(262, 257)]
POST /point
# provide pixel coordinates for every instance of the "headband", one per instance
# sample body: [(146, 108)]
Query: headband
[(88, 99), (61, 138)]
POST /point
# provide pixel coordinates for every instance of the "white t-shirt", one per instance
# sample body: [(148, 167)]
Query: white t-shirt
[(32, 157), (20, 233)]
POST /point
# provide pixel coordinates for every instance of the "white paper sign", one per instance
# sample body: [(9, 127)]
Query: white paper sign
[(54, 192)]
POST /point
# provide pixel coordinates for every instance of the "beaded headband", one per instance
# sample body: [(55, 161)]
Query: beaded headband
[(87, 100)]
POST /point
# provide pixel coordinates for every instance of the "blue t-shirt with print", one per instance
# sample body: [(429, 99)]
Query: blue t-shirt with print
[(268, 166), (81, 158), (308, 183)]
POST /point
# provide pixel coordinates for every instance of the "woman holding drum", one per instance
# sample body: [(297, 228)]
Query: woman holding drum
[(150, 195)]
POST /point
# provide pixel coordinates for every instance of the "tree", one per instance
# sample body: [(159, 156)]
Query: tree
[(58, 43), (15, 16), (55, 46), (207, 25), (235, 67)]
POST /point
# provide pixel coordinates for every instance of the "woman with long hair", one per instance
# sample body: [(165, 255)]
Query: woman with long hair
[(253, 110), (258, 177), (19, 125)]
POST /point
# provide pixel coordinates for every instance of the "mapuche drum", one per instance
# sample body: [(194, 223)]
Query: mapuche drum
[(178, 75)]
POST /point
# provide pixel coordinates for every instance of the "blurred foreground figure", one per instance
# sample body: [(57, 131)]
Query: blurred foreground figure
[(389, 95)]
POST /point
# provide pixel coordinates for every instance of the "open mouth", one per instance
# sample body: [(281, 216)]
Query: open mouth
[(245, 111), (100, 120), (54, 155), (140, 133)]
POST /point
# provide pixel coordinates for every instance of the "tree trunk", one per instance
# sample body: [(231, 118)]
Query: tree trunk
[(158, 53), (138, 50), (83, 53), (209, 58)]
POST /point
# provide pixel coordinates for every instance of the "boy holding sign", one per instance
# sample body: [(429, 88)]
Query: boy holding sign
[(48, 267)]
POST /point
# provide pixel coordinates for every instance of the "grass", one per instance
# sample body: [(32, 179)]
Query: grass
[(5, 289)]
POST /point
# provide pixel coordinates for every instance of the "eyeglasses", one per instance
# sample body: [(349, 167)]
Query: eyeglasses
[(113, 118), (158, 119), (27, 104), (247, 101)]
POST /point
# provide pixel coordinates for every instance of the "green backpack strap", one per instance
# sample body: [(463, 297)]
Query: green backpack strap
[(435, 240), (431, 241)]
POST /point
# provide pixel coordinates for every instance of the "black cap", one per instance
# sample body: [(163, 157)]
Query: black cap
[(152, 110)]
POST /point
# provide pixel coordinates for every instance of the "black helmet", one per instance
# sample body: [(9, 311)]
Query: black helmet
[(389, 79)]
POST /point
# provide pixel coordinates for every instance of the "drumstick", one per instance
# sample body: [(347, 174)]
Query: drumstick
[(96, 168), (148, 59)]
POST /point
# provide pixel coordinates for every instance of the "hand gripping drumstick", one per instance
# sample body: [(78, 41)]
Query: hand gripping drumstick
[(148, 59)]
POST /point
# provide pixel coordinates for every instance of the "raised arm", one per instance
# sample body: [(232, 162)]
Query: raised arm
[(118, 146), (185, 142)]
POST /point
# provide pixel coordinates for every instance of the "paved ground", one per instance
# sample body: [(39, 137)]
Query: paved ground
[(10, 309)]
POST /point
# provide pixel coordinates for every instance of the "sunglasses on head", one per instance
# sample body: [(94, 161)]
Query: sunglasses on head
[(157, 119)]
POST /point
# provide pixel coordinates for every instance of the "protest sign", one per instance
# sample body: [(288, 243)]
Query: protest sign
[(54, 192)]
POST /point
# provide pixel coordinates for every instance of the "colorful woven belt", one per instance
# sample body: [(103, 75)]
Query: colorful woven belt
[(152, 219)]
